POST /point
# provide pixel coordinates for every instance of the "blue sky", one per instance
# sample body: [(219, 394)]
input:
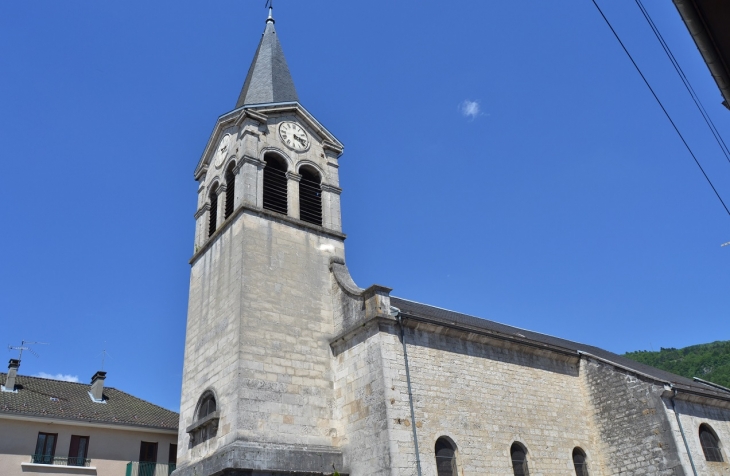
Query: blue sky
[(503, 159)]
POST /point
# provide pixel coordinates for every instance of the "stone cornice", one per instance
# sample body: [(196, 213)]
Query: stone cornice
[(331, 189), (247, 159), (293, 176), (221, 188), (202, 210), (244, 208)]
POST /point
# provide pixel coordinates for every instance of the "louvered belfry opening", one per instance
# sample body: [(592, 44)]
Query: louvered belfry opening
[(445, 458), (710, 444), (213, 212), (519, 460), (275, 184), (579, 462), (230, 189), (310, 196)]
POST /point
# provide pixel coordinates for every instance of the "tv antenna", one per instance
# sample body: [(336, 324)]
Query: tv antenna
[(25, 345), (104, 354)]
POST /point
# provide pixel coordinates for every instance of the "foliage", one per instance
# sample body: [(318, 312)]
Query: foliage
[(709, 362)]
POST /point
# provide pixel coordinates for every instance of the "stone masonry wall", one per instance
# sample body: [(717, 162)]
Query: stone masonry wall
[(692, 415), (260, 321), (485, 394), (634, 427)]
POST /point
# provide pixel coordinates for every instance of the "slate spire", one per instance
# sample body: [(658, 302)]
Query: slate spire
[(268, 79)]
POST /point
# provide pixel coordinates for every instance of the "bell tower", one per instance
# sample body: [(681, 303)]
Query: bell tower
[(257, 394)]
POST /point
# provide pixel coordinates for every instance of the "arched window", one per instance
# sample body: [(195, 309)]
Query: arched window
[(207, 406), (710, 444), (310, 196), (579, 461), (519, 459), (230, 189), (275, 184), (205, 425), (213, 212), (445, 458)]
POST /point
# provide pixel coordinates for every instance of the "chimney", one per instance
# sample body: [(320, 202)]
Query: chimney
[(97, 386), (12, 373)]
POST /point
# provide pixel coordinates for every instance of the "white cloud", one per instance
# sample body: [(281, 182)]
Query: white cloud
[(470, 109), (65, 378)]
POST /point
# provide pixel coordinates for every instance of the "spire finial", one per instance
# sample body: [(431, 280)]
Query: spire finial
[(270, 4)]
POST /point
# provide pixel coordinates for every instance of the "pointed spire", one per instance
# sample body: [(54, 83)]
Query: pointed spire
[(268, 79)]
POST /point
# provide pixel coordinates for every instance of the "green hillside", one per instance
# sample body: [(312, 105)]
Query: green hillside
[(709, 362)]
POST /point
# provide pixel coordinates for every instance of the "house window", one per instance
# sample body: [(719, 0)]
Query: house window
[(213, 212), (519, 460), (171, 458), (45, 448), (579, 461), (445, 458), (78, 450), (710, 444), (147, 458), (230, 189), (310, 196), (275, 184)]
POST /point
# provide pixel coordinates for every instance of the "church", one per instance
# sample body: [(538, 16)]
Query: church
[(291, 368)]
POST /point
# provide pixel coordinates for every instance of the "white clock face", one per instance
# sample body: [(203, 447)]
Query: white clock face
[(222, 152), (293, 136)]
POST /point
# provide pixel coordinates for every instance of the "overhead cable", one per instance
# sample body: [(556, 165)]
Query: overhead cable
[(662, 106), (683, 77)]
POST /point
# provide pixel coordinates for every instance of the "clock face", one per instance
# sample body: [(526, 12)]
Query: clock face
[(222, 152), (293, 136)]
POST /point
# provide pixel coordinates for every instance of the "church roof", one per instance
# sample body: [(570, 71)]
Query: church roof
[(57, 399), (444, 317), (268, 79)]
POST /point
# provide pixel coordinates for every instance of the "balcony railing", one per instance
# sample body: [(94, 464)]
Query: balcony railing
[(60, 460), (141, 468)]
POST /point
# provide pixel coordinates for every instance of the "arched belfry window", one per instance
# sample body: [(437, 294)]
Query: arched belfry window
[(213, 212), (310, 195), (206, 419), (579, 462), (518, 454), (710, 444), (445, 458), (275, 185), (230, 189)]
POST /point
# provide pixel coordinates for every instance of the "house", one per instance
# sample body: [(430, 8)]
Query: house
[(57, 427)]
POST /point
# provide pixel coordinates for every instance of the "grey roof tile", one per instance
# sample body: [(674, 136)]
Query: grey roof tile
[(268, 79), (40, 397)]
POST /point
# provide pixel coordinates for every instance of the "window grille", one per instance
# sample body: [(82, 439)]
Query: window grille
[(310, 196), (230, 190), (710, 444), (445, 458), (579, 461), (519, 460), (275, 185), (213, 212)]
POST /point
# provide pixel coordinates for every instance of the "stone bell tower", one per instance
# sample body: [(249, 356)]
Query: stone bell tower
[(257, 394)]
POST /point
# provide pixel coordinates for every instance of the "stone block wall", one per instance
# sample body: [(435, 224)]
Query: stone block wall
[(692, 414), (635, 431), (485, 394)]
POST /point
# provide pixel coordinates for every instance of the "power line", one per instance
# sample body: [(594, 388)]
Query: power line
[(662, 106), (685, 80)]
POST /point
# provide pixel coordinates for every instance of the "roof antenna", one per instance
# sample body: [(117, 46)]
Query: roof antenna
[(104, 354), (270, 6), (24, 346)]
